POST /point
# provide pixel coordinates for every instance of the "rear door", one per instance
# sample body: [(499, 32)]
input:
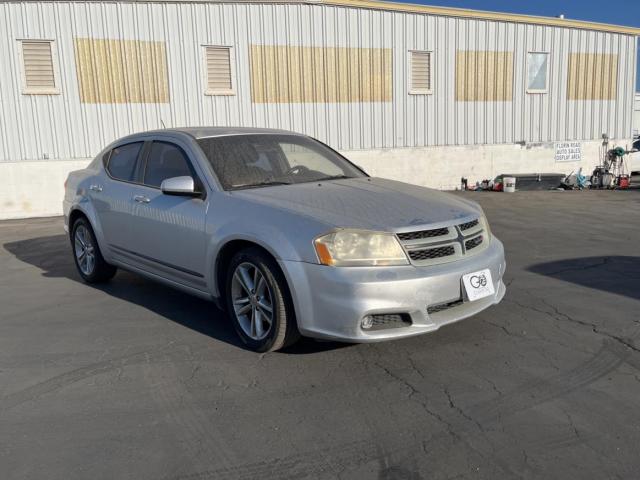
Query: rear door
[(168, 232), (111, 193)]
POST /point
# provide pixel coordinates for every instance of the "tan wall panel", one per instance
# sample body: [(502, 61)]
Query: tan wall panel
[(282, 74), (592, 76), (484, 76), (121, 71)]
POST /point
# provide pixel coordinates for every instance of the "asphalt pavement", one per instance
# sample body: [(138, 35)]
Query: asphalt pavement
[(132, 380)]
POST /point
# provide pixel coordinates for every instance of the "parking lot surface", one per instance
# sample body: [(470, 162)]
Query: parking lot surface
[(134, 380)]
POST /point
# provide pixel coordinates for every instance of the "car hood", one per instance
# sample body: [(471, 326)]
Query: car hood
[(367, 203)]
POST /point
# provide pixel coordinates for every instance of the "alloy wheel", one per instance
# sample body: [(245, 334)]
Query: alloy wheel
[(85, 250), (252, 301)]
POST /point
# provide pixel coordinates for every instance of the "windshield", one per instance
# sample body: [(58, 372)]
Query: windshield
[(249, 161)]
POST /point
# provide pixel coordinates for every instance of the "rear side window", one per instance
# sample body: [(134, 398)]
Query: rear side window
[(165, 161), (122, 162)]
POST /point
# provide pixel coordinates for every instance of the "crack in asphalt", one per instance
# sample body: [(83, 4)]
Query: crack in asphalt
[(559, 315), (492, 383), (501, 327), (414, 392), (460, 411)]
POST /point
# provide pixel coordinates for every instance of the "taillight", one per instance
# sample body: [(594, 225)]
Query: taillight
[(65, 183)]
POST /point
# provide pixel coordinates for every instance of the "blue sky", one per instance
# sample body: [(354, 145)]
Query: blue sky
[(617, 12)]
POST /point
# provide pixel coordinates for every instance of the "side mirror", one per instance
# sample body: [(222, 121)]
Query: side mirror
[(181, 186)]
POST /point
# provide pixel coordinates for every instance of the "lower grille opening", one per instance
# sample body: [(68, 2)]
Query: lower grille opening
[(385, 321), (440, 307), (431, 253)]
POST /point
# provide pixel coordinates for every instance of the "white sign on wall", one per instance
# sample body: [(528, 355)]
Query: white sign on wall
[(568, 152)]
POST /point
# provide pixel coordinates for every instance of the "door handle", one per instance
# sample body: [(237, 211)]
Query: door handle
[(96, 188), (141, 199)]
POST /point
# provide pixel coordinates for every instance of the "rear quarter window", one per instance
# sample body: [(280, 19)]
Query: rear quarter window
[(122, 161)]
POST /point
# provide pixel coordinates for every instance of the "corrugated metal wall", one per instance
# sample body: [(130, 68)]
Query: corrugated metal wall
[(636, 115), (59, 126)]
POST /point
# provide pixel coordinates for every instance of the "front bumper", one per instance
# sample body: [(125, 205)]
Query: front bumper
[(331, 302), (66, 208)]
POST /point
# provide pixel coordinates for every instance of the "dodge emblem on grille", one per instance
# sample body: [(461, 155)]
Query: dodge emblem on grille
[(460, 239)]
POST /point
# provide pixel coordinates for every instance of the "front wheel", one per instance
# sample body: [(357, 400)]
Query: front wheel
[(258, 302), (86, 253)]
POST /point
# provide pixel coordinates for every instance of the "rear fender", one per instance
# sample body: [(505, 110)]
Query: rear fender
[(82, 203)]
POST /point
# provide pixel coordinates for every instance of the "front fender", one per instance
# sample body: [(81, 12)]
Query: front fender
[(278, 245), (286, 236)]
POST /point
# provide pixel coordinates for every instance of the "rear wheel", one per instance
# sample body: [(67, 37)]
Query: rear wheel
[(258, 302), (89, 261)]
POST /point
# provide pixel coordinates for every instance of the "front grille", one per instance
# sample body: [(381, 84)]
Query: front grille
[(389, 320), (431, 309), (431, 253), (436, 232), (468, 225), (445, 244), (473, 242)]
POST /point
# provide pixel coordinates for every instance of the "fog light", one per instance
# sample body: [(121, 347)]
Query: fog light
[(367, 322)]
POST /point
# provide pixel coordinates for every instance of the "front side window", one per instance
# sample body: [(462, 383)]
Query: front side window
[(246, 161), (537, 70), (165, 161), (122, 161)]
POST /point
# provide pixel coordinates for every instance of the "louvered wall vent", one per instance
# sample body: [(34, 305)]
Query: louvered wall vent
[(420, 72), (218, 65), (39, 75)]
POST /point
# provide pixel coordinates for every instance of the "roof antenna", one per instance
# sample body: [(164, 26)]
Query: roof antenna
[(162, 123)]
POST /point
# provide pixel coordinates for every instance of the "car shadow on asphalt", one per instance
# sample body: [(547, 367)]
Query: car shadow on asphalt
[(614, 274), (52, 255)]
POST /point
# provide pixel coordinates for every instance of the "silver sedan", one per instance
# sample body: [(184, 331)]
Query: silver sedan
[(285, 233)]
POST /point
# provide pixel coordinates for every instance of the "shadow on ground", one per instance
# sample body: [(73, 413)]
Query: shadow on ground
[(52, 255), (613, 274)]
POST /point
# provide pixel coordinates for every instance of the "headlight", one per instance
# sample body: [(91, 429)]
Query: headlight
[(359, 248)]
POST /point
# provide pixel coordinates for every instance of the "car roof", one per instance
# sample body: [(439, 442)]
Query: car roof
[(202, 132), (207, 132)]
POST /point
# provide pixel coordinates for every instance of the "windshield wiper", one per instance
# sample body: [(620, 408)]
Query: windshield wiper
[(265, 183), (333, 177)]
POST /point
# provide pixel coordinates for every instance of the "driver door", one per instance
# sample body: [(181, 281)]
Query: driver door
[(167, 231)]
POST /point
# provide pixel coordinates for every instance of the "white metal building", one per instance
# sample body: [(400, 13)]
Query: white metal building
[(422, 94), (636, 115)]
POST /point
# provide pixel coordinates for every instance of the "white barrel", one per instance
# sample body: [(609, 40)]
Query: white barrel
[(509, 184)]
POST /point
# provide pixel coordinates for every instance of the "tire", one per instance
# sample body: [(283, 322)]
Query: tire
[(249, 296), (87, 256)]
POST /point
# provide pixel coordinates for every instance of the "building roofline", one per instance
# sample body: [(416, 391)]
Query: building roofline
[(404, 8), (480, 14)]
